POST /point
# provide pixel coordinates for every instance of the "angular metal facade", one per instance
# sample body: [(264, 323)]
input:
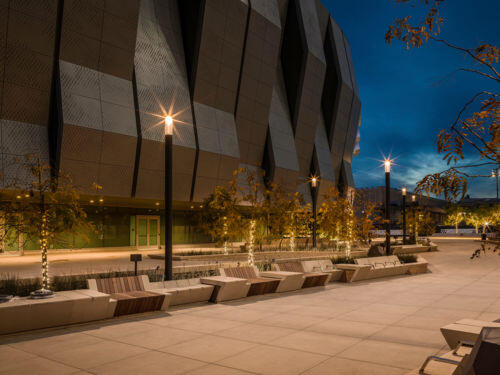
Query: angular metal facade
[(267, 84)]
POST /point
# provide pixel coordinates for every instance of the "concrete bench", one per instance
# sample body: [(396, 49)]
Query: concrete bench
[(311, 279), (258, 285), (69, 307), (226, 288), (289, 281), (465, 330), (377, 267), (182, 291), (130, 294), (449, 363), (323, 266), (480, 357)]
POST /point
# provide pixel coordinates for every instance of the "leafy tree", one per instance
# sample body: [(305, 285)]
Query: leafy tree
[(488, 216), (254, 198), (420, 222), (475, 130), (44, 209), (297, 218), (220, 217), (336, 219), (367, 214), (474, 217), (455, 214)]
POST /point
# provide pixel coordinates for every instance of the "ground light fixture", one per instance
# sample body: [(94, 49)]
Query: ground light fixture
[(169, 218), (387, 168), (314, 196)]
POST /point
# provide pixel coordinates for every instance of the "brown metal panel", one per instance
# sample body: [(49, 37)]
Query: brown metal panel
[(256, 86)]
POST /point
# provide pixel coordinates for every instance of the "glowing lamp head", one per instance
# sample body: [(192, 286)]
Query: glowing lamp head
[(314, 182), (413, 198), (486, 224), (403, 191), (387, 166), (169, 122)]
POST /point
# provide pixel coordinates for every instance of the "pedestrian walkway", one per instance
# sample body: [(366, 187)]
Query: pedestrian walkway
[(381, 327)]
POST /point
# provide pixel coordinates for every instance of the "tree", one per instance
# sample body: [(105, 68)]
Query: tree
[(254, 194), (475, 130), (455, 214), (473, 217), (336, 219), (44, 209), (220, 217), (367, 214), (297, 218), (420, 222)]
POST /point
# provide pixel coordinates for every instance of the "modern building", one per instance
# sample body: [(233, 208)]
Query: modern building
[(435, 206), (263, 84)]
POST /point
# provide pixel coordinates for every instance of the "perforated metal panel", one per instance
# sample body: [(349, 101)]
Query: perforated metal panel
[(162, 88), (304, 69)]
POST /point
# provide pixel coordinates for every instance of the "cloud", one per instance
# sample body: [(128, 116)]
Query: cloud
[(409, 169)]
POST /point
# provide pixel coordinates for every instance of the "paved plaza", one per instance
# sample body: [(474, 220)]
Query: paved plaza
[(384, 327)]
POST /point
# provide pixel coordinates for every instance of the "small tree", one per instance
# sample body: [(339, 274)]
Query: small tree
[(336, 219), (298, 218), (454, 215), (420, 221), (220, 217), (367, 213), (473, 217), (44, 209), (254, 193)]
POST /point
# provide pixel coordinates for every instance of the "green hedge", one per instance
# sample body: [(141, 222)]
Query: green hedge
[(12, 284)]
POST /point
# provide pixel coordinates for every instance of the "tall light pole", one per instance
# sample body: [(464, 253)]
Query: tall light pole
[(403, 193), (494, 174), (414, 204), (314, 187), (387, 167), (169, 123)]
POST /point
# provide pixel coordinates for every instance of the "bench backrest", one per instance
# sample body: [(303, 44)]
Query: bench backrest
[(311, 266), (484, 356), (326, 265), (244, 272), (379, 262), (120, 284), (291, 267)]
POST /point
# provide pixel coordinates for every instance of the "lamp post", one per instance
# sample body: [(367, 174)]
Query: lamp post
[(403, 193), (314, 186), (387, 167), (169, 122), (494, 174), (414, 205)]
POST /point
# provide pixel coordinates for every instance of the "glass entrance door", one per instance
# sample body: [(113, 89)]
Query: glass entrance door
[(148, 231)]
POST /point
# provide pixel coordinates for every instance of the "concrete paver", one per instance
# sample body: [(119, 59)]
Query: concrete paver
[(376, 327)]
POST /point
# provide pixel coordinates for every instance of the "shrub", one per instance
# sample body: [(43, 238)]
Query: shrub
[(407, 258), (343, 260), (12, 284)]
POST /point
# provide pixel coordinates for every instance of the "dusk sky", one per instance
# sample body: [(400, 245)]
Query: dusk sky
[(409, 96)]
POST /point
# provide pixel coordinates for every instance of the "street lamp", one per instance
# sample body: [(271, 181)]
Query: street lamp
[(314, 190), (387, 167), (403, 193), (169, 123), (414, 205), (494, 174)]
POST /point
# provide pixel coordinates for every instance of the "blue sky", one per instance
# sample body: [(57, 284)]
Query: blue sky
[(409, 96)]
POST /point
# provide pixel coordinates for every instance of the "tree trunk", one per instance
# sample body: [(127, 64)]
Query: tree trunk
[(251, 259)]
